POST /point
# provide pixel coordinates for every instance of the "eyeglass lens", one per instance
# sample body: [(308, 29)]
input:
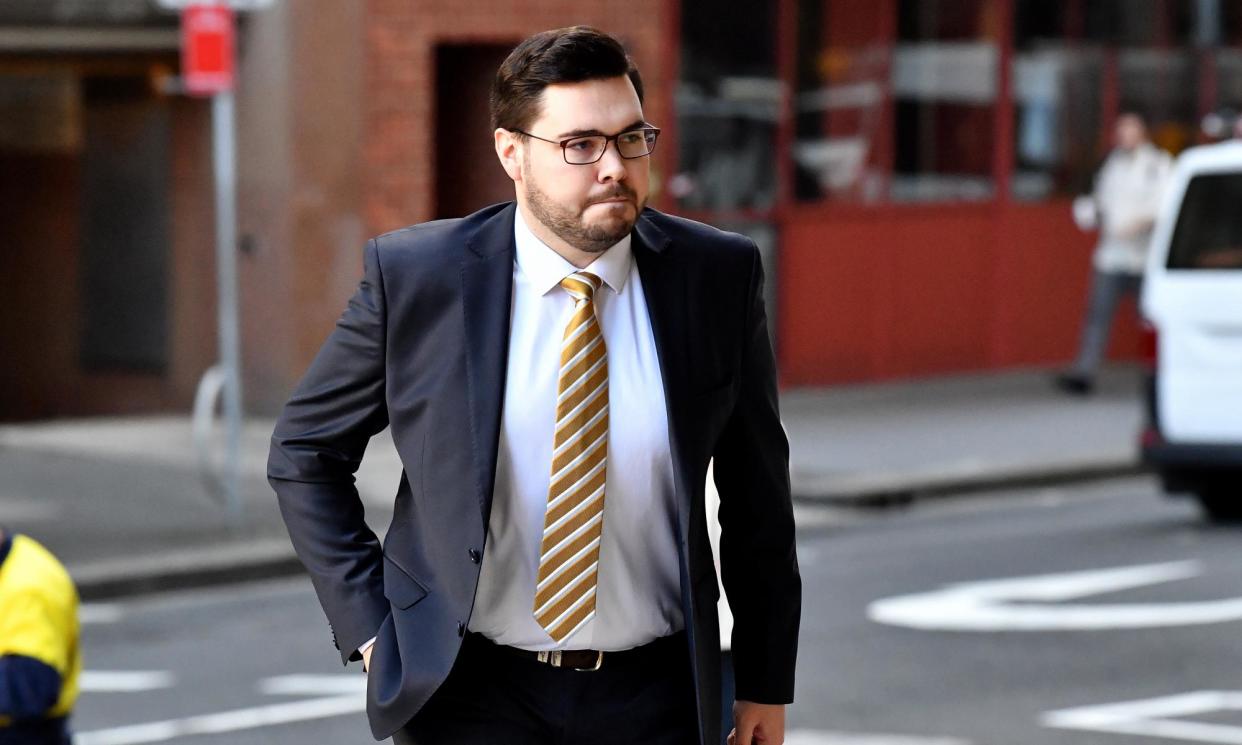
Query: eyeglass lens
[(634, 144)]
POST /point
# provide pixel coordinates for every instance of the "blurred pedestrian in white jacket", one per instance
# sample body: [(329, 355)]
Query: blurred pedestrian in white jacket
[(1123, 206)]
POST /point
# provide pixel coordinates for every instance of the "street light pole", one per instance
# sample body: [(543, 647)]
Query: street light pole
[(225, 167), (208, 46)]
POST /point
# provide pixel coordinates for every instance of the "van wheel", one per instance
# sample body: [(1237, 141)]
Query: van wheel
[(1221, 507)]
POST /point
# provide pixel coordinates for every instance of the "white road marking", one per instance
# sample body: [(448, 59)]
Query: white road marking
[(314, 685), (99, 613), (986, 606), (127, 681), (823, 737), (226, 721), (1155, 717)]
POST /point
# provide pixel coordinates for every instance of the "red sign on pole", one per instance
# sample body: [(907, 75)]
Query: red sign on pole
[(207, 38)]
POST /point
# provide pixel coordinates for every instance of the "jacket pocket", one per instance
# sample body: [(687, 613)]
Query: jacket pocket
[(401, 589)]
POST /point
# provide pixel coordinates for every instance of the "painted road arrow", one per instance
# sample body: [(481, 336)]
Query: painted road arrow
[(1158, 717), (1026, 603)]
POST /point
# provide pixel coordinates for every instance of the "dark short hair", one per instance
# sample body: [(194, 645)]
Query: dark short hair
[(562, 55)]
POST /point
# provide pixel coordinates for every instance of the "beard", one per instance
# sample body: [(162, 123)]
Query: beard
[(572, 227)]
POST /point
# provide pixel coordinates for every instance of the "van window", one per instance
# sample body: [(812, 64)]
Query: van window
[(1209, 226)]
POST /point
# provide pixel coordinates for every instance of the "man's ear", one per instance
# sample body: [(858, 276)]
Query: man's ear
[(508, 150)]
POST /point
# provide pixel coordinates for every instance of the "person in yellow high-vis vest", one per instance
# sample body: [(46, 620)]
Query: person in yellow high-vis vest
[(40, 659)]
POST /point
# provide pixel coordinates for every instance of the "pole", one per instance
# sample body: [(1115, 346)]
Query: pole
[(224, 160)]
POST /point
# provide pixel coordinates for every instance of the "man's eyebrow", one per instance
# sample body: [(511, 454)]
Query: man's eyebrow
[(636, 124)]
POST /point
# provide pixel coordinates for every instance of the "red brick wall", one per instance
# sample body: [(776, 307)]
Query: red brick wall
[(912, 291), (399, 147)]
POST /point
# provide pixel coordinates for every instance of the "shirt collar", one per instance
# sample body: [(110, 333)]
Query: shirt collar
[(546, 268)]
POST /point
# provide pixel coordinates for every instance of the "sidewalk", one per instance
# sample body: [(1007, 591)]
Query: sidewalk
[(122, 503), (870, 443)]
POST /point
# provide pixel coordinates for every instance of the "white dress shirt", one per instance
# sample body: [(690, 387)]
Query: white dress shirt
[(638, 596), (1128, 191)]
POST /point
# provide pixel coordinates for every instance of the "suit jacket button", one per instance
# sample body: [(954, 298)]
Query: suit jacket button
[(475, 555), (461, 629)]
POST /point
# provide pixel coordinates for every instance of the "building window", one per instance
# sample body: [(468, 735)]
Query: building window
[(842, 136), (1157, 72), (944, 88), (1229, 82), (1231, 22), (1056, 98), (1077, 64), (728, 105), (1133, 23), (1228, 60), (895, 100)]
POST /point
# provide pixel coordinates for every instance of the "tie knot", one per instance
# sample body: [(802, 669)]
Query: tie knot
[(581, 285)]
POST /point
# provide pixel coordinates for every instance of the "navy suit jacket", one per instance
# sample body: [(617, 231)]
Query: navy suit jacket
[(423, 347)]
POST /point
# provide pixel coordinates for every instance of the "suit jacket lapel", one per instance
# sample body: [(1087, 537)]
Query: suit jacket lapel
[(487, 291), (665, 285)]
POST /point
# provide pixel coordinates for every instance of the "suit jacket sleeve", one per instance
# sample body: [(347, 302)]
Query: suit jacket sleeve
[(759, 565), (317, 447)]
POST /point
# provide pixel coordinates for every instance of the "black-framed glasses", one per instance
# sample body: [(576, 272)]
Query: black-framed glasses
[(588, 149)]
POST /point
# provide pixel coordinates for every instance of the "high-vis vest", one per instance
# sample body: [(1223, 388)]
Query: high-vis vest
[(39, 617)]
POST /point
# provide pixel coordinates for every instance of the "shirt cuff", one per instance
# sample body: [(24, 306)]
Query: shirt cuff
[(367, 645)]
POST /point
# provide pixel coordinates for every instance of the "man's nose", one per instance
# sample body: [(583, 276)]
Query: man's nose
[(611, 166)]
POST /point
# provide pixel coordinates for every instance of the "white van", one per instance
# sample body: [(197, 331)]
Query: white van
[(1192, 301)]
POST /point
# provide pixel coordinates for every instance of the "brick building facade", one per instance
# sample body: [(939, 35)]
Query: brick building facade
[(387, 127), (352, 119), (906, 167)]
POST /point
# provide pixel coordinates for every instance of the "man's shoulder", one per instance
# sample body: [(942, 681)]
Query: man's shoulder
[(450, 233), (691, 235)]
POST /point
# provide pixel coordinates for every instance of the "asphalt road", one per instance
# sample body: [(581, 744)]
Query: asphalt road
[(889, 655)]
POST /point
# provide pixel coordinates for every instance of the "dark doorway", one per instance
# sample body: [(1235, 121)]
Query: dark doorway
[(125, 230), (85, 226), (468, 176)]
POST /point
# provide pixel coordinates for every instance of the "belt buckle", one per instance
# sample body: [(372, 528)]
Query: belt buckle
[(554, 658), (599, 661)]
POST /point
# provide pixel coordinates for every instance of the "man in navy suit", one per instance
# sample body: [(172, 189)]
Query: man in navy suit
[(557, 372)]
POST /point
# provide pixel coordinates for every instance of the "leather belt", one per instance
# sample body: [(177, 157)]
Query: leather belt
[(584, 660)]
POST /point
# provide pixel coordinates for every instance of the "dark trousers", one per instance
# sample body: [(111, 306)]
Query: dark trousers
[(493, 697), (1107, 290)]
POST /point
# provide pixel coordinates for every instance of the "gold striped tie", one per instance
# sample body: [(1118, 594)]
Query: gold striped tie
[(574, 522)]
